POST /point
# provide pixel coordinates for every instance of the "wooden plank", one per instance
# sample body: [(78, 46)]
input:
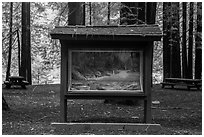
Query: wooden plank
[(95, 97), (167, 83), (148, 54), (108, 92), (63, 83), (189, 85), (182, 79), (107, 126), (69, 69), (136, 30)]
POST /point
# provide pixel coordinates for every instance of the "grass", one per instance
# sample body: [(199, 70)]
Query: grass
[(34, 109)]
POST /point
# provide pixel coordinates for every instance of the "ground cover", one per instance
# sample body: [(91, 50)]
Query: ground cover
[(34, 109)]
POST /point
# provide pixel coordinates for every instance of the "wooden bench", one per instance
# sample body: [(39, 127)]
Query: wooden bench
[(190, 83), (16, 80)]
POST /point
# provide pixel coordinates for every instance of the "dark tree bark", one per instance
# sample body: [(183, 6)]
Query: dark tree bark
[(190, 43), (175, 39), (26, 45), (90, 13), (108, 22), (166, 38), (10, 41), (151, 12), (198, 59), (76, 13), (184, 52)]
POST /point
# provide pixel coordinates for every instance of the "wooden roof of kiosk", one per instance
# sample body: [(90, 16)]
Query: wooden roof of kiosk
[(118, 33)]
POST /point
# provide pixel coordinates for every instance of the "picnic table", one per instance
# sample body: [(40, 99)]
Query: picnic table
[(190, 83), (16, 80)]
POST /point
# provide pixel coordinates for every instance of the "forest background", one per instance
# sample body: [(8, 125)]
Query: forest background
[(45, 52)]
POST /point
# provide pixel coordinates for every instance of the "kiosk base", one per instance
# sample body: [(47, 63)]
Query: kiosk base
[(140, 127)]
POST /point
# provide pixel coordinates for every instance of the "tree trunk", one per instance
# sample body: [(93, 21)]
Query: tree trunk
[(26, 47), (190, 43), (151, 12), (10, 42), (198, 58), (19, 53), (166, 43), (175, 53), (108, 21), (76, 13), (90, 7), (184, 54)]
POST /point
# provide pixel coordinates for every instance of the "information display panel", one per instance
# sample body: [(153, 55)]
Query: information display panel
[(105, 70)]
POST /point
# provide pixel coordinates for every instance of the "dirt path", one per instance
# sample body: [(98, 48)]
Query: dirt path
[(123, 75), (123, 80)]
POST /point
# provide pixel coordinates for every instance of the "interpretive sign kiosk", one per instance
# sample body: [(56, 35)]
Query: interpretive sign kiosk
[(119, 60)]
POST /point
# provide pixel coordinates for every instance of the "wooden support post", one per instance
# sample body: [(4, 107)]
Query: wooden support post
[(147, 83), (69, 68), (64, 83)]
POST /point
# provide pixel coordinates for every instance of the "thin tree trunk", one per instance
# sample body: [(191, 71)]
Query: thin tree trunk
[(28, 64), (190, 45), (166, 43), (10, 41), (108, 22), (19, 53), (90, 16), (184, 54)]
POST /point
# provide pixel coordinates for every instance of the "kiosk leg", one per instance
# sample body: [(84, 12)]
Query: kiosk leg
[(64, 84), (147, 111), (63, 110)]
